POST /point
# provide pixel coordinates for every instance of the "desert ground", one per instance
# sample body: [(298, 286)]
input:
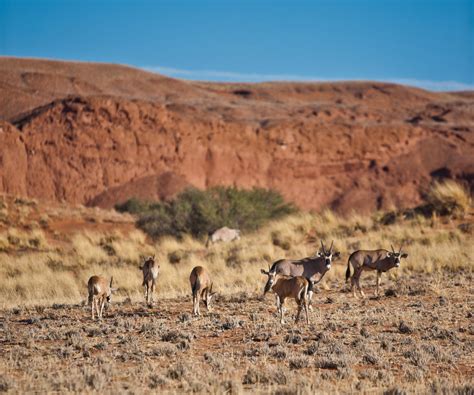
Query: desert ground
[(417, 337)]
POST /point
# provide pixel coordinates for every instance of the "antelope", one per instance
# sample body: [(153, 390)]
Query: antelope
[(201, 287), (224, 234), (313, 268), (100, 291), (380, 260), (288, 287), (150, 269)]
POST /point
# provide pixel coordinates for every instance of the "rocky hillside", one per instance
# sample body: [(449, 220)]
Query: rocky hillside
[(98, 134)]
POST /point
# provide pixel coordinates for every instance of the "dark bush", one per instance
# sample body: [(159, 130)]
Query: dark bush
[(133, 206), (404, 328), (199, 212)]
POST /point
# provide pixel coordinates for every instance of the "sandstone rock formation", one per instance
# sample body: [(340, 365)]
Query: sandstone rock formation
[(98, 134)]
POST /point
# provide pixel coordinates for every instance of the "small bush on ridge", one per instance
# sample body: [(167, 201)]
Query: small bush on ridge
[(199, 212)]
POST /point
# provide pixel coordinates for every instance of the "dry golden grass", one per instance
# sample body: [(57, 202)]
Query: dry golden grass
[(450, 197), (61, 273), (16, 239)]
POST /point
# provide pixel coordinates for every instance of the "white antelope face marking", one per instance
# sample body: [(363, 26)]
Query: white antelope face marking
[(150, 260), (327, 258), (397, 260), (327, 255), (396, 257), (271, 280)]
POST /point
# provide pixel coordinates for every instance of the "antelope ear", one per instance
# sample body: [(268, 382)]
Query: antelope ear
[(319, 253), (389, 254), (264, 271), (337, 254), (113, 289), (404, 255)]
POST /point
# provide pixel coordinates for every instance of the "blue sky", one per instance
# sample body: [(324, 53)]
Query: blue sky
[(424, 43)]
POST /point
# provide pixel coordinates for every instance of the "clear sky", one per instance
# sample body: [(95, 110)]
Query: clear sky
[(424, 43)]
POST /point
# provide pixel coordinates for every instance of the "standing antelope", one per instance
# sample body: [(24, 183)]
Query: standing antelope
[(380, 260), (313, 268), (150, 269), (201, 287), (288, 287), (100, 291)]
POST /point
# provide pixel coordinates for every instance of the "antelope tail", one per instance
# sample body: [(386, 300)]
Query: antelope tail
[(348, 271)]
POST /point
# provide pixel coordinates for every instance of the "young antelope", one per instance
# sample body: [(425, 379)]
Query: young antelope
[(288, 287), (150, 269), (100, 291), (201, 287)]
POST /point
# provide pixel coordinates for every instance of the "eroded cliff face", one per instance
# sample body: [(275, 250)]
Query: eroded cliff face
[(349, 146)]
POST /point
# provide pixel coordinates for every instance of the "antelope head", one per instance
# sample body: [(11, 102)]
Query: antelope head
[(208, 298), (111, 290), (328, 255), (395, 257), (270, 281)]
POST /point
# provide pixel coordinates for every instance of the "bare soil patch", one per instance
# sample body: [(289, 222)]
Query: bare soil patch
[(416, 339)]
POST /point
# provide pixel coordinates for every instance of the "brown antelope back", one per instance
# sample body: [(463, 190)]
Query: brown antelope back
[(199, 277), (97, 285)]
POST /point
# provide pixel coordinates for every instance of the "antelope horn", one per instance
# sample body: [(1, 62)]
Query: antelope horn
[(332, 243), (393, 250), (322, 246), (401, 245)]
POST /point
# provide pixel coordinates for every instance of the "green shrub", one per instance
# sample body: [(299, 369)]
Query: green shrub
[(133, 206), (199, 212)]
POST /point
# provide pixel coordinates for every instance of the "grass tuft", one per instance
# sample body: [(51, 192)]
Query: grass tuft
[(449, 198)]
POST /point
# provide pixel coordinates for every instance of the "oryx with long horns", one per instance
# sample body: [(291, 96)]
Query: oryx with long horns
[(312, 268), (380, 260)]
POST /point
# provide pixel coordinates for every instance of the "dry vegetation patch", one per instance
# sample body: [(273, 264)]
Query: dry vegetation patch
[(417, 337), (52, 264), (350, 345)]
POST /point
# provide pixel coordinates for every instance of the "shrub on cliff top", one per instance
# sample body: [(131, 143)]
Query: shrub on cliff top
[(198, 212)]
